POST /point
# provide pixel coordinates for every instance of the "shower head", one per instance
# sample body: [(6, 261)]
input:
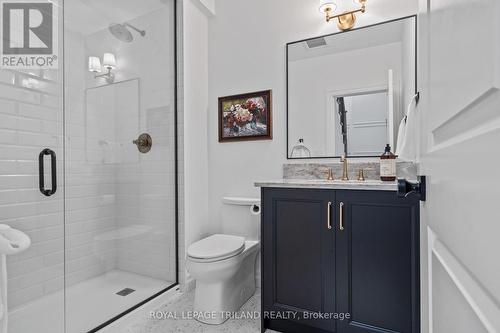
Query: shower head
[(121, 31)]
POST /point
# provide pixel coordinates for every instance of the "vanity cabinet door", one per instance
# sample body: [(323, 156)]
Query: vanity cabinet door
[(298, 251), (378, 262)]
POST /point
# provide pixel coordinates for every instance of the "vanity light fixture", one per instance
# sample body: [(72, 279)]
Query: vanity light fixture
[(345, 19), (108, 62)]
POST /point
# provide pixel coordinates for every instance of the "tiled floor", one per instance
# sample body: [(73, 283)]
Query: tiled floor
[(184, 304)]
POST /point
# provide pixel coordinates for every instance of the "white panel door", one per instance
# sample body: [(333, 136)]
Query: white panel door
[(459, 49)]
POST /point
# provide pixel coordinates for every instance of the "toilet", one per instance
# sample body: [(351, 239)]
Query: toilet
[(223, 266)]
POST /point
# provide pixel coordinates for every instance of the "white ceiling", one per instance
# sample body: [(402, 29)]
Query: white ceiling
[(88, 16)]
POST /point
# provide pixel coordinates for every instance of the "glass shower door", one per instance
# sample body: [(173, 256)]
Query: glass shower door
[(31, 166), (87, 160)]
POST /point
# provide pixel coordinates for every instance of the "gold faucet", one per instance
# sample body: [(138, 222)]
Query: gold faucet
[(345, 172)]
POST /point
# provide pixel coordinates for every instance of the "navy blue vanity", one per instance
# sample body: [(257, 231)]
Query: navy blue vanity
[(337, 259)]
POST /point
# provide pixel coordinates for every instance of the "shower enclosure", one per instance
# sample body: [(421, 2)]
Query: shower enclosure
[(88, 165)]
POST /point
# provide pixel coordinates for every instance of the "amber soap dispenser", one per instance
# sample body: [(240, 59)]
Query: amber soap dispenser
[(388, 165)]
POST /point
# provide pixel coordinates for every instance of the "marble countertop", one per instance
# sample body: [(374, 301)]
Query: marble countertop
[(333, 185)]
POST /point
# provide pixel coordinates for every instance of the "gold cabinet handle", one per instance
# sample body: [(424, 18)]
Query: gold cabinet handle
[(341, 217), (329, 216)]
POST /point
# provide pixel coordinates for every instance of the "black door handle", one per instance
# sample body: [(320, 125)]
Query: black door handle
[(405, 188), (41, 173)]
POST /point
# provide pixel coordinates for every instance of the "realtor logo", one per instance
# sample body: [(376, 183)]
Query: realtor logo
[(29, 34)]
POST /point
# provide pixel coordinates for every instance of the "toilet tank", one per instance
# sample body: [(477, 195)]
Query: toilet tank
[(241, 217)]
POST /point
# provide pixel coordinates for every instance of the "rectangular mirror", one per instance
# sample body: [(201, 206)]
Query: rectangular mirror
[(348, 92)]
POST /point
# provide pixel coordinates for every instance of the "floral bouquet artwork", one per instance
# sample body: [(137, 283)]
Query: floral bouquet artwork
[(245, 117)]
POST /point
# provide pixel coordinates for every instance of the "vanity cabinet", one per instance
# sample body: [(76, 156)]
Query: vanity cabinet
[(299, 260), (326, 253)]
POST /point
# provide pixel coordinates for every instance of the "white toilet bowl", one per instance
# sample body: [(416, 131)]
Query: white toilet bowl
[(224, 269)]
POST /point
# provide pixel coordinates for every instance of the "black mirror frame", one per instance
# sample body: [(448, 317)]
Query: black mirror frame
[(288, 157)]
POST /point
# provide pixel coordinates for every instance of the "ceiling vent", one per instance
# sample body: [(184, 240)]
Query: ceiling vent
[(316, 42)]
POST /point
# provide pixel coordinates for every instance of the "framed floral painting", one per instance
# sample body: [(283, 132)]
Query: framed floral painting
[(246, 117)]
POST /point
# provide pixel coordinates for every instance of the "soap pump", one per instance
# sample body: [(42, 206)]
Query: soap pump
[(388, 165)]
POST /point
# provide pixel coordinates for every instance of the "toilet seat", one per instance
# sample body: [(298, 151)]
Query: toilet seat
[(216, 247)]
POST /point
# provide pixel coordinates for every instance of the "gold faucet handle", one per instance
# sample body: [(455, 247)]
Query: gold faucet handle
[(361, 175), (330, 174)]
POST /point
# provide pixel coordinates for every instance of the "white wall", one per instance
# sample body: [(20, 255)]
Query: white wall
[(195, 74), (247, 53), (206, 6)]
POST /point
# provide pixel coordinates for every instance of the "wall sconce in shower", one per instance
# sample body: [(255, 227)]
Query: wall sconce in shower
[(108, 62), (346, 19)]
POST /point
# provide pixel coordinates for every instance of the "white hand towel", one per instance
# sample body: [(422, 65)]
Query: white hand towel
[(407, 150), (401, 136)]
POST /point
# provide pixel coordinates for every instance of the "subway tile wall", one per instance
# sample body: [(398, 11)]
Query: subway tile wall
[(31, 120), (90, 185)]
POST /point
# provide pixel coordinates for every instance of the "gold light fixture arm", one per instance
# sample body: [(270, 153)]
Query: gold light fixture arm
[(346, 20), (331, 17)]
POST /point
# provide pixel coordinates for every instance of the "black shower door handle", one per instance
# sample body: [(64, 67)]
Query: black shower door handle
[(41, 172)]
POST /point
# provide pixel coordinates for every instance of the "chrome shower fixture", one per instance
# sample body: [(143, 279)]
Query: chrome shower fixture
[(121, 31)]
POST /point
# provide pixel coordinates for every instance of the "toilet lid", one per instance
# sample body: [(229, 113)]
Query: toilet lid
[(217, 246)]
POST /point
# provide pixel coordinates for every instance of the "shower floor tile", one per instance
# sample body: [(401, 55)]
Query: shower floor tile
[(88, 304)]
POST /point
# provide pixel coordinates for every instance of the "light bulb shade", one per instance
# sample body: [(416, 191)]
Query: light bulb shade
[(109, 60), (347, 6), (94, 64), (325, 5)]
